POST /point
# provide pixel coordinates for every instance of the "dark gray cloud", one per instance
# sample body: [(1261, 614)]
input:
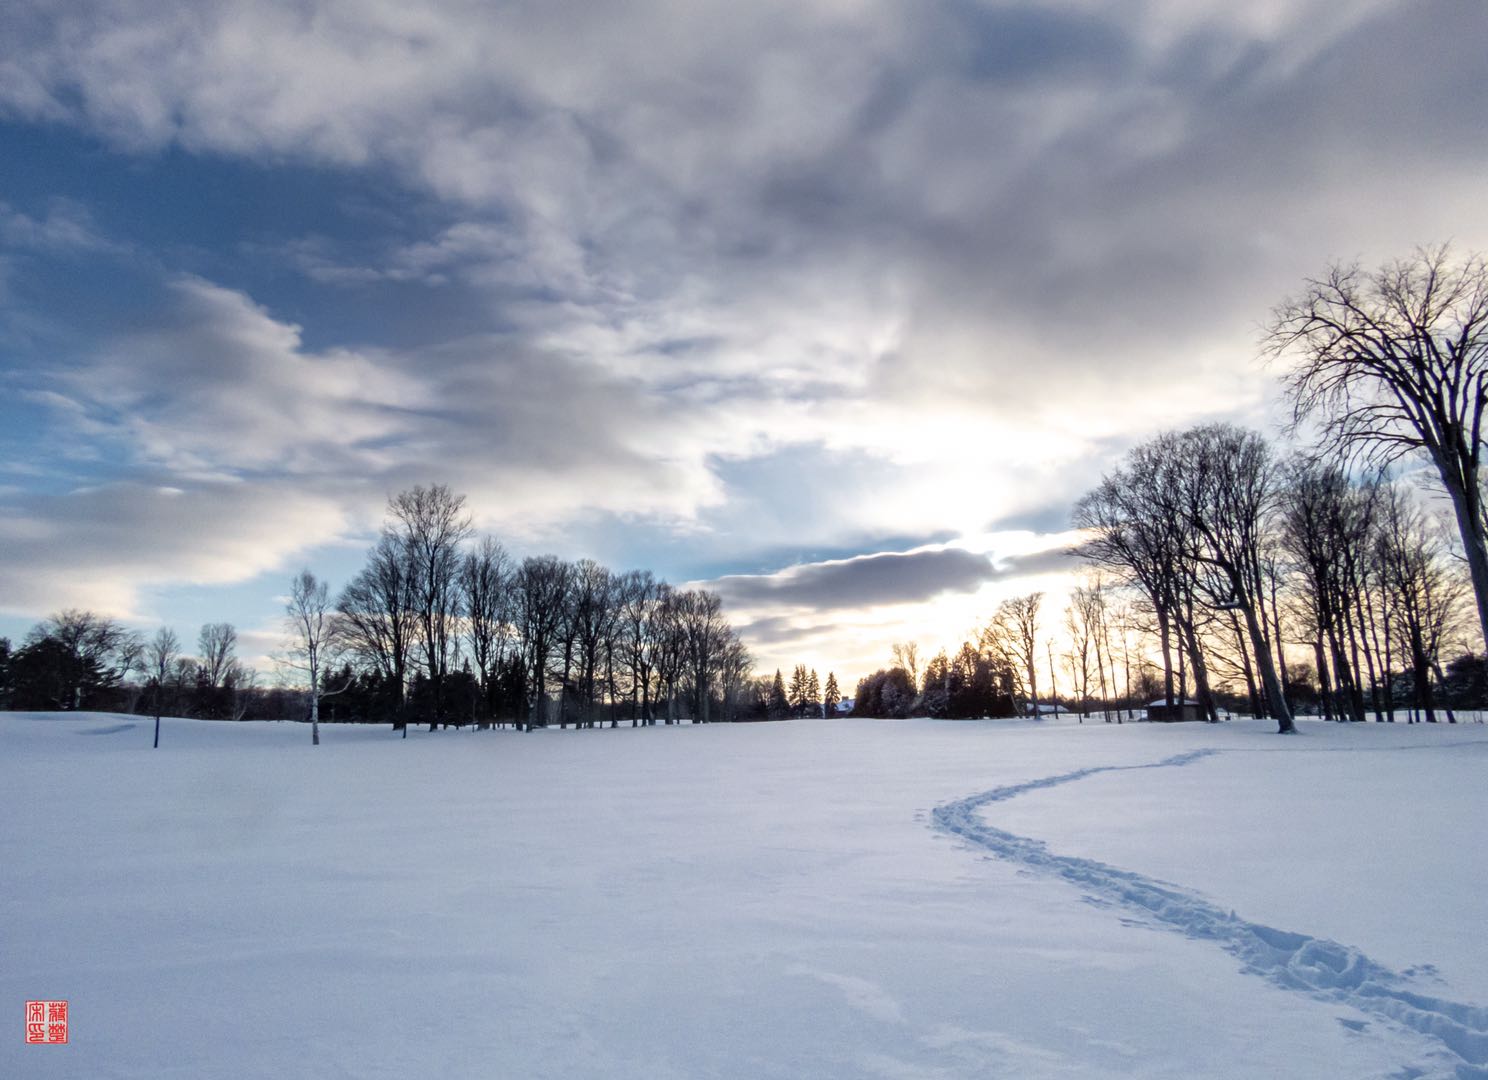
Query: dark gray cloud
[(869, 580), (773, 631), (1053, 560)]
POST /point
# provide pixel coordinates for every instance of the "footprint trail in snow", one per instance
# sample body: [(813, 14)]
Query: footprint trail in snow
[(1315, 966)]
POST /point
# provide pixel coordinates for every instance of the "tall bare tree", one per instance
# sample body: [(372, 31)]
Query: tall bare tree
[(1083, 619), (377, 618), (312, 646), (1223, 485), (638, 601), (1425, 592), (1013, 634), (486, 592), (734, 669), (1325, 526), (217, 644), (704, 633), (540, 598), (594, 613), (1395, 362), (161, 655), (669, 653), (1145, 546), (430, 523)]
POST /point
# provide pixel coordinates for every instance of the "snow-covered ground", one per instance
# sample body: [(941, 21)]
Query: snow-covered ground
[(837, 898)]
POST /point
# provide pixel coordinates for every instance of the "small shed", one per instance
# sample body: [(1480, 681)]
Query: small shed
[(1160, 712)]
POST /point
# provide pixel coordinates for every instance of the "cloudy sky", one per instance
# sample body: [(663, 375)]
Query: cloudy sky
[(834, 304)]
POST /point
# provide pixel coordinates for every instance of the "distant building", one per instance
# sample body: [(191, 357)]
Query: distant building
[(1045, 708), (1160, 712), (843, 707)]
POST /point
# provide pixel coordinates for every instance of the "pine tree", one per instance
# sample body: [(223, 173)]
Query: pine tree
[(813, 695), (779, 705), (798, 691), (833, 694)]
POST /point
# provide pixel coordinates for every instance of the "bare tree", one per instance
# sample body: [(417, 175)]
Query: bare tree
[(244, 683), (907, 656), (734, 666), (541, 594), (1185, 518), (430, 523), (638, 601), (485, 590), (669, 651), (160, 657), (1083, 623), (312, 643), (1325, 527), (217, 643), (377, 618), (1425, 592), (1013, 635), (594, 613), (1396, 362), (1223, 486), (704, 633), (1145, 546)]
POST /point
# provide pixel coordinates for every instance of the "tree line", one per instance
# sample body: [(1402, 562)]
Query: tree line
[(439, 626), (1236, 551), (806, 696), (446, 628), (1268, 581), (1236, 557), (82, 660), (977, 681)]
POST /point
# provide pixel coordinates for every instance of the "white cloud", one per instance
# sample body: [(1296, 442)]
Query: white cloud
[(220, 383), (65, 228), (99, 548)]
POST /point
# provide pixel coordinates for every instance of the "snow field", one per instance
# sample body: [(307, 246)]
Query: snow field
[(752, 901)]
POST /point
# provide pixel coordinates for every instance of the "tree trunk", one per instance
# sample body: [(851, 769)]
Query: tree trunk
[(1250, 683), (1286, 689), (1348, 680), (1389, 671), (1468, 508), (1274, 698), (1165, 635), (1367, 636), (1200, 675), (1441, 678), (1424, 697), (1324, 690)]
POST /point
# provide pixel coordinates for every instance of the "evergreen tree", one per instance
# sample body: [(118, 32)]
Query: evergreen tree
[(779, 706), (833, 695), (813, 695), (797, 697)]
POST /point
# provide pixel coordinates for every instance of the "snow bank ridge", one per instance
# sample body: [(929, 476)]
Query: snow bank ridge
[(1315, 966)]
